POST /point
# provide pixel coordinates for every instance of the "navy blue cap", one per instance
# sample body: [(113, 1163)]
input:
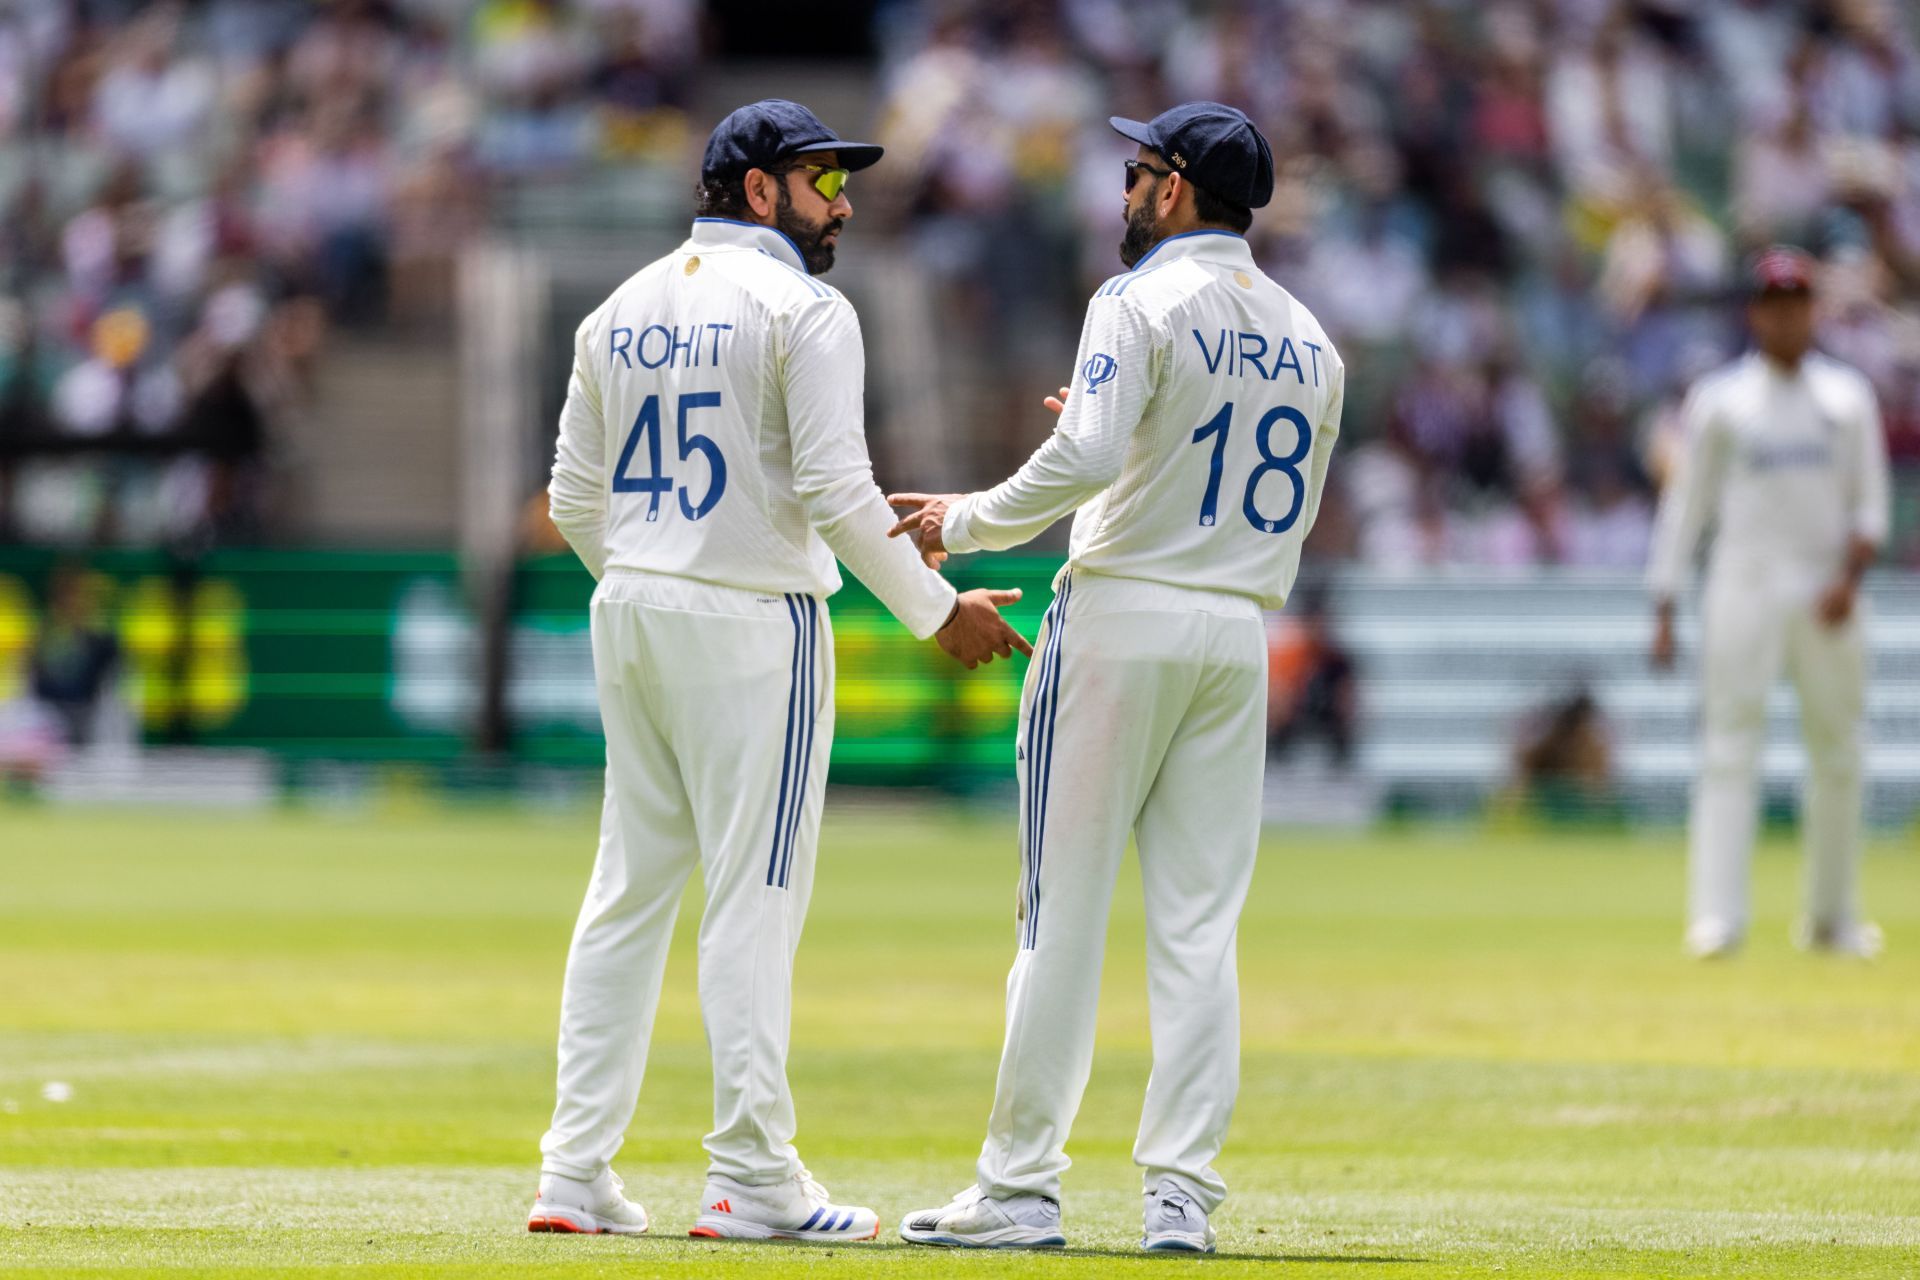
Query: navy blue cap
[(758, 135), (1211, 145)]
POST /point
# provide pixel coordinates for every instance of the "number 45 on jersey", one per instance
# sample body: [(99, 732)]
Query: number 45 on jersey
[(647, 423)]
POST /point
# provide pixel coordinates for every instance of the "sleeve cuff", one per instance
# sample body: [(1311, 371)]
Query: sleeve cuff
[(937, 618), (956, 534)]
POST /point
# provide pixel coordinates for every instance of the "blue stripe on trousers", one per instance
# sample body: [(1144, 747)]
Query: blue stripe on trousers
[(1040, 764), (809, 718), (1036, 715), (786, 756)]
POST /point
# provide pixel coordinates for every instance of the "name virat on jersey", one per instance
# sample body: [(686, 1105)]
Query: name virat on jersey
[(1244, 354)]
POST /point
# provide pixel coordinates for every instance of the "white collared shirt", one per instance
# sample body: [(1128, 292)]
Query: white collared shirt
[(1205, 402), (1789, 467), (714, 429)]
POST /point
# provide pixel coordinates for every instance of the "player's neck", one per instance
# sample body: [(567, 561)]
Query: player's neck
[(1784, 365)]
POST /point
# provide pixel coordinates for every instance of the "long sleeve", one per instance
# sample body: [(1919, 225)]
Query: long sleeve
[(1689, 498), (1116, 370), (1323, 437), (577, 491), (825, 375), (1871, 497)]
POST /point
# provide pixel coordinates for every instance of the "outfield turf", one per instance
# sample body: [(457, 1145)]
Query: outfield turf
[(312, 1045)]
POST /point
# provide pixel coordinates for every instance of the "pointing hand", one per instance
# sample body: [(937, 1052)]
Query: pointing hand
[(976, 631), (924, 522)]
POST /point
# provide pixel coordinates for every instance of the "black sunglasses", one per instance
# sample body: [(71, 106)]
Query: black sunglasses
[(1135, 166)]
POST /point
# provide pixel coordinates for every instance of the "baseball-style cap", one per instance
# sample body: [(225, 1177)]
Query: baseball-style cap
[(759, 134), (1781, 268), (1211, 145)]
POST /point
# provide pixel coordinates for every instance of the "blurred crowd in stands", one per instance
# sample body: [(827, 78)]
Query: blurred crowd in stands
[(1523, 220), (196, 194)]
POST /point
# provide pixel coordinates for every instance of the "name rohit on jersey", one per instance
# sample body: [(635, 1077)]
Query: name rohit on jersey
[(1240, 354), (668, 345)]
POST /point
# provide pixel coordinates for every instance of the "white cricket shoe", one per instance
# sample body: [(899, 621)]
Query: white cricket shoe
[(975, 1220), (1710, 938), (797, 1209), (1174, 1223), (1860, 939), (585, 1208)]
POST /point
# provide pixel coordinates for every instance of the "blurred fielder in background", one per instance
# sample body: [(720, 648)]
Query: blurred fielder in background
[(712, 464), (1194, 447), (1784, 452)]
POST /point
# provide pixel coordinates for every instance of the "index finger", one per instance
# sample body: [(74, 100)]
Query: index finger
[(1018, 641), (910, 499)]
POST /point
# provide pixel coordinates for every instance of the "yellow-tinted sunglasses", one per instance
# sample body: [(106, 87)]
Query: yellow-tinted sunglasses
[(830, 182)]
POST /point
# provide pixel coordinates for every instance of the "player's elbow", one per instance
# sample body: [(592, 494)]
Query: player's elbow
[(827, 499), (574, 510), (1094, 466)]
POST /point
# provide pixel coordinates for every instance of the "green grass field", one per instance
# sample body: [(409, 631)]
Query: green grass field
[(310, 1045)]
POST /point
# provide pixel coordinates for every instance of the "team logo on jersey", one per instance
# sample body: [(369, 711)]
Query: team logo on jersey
[(693, 264), (1100, 367)]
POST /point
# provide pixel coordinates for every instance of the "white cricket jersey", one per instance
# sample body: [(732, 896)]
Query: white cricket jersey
[(1194, 445), (714, 430), (1788, 466)]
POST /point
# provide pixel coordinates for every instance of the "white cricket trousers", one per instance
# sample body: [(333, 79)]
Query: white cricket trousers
[(718, 711), (1753, 624), (1144, 713)]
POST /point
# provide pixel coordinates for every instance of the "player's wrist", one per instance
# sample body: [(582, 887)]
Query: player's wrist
[(955, 536)]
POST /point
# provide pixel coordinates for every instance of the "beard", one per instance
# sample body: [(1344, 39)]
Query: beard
[(808, 238), (1143, 232)]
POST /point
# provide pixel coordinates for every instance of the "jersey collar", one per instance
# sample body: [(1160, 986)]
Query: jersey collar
[(1219, 246), (749, 235)]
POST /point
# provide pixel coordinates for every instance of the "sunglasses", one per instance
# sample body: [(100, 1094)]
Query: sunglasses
[(830, 182), (1135, 166)]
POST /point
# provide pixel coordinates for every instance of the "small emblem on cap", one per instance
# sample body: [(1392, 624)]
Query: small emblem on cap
[(1179, 161), (1242, 279), (693, 264)]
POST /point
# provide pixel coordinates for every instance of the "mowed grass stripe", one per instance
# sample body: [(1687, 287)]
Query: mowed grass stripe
[(304, 1044)]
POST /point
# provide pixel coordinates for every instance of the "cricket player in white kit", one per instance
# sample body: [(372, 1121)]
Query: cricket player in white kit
[(1193, 450), (712, 464), (1784, 453)]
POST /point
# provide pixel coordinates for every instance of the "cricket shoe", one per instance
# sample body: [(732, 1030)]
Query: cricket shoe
[(975, 1220), (1860, 939), (585, 1208), (797, 1209), (1175, 1224), (1710, 938)]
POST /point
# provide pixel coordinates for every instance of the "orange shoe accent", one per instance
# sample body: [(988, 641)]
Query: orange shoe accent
[(542, 1223), (721, 1206), (707, 1233)]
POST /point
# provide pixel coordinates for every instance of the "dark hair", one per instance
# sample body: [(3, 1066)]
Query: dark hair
[(727, 197), (1214, 211), (721, 198)]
